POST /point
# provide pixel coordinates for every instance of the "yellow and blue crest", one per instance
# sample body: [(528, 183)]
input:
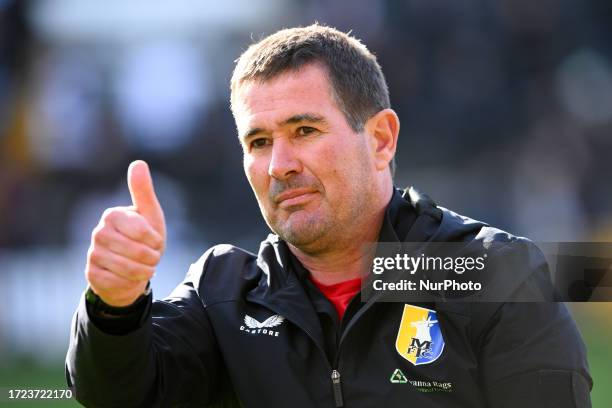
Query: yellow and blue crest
[(419, 338)]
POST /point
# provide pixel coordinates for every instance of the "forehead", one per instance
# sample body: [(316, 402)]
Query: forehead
[(291, 93)]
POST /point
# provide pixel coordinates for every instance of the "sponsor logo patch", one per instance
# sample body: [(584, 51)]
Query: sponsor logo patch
[(254, 326), (419, 338), (398, 377), (432, 386)]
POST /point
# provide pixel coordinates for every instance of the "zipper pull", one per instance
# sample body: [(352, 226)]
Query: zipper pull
[(335, 377)]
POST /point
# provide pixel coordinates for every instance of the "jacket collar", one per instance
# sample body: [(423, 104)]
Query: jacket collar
[(410, 216)]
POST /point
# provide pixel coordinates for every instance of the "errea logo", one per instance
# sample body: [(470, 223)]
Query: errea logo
[(253, 326)]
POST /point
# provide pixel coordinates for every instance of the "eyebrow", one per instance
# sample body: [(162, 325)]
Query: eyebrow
[(302, 117)]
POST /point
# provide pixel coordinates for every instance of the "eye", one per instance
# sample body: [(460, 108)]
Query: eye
[(258, 143), (305, 130)]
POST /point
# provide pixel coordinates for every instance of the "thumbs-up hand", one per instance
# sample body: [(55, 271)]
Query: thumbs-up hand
[(127, 243)]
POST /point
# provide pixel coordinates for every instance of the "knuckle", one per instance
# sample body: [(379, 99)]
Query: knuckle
[(108, 214), (139, 231), (160, 244), (93, 255), (101, 235), (143, 254), (155, 257), (96, 232)]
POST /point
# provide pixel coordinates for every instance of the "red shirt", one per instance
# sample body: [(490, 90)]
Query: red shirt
[(339, 294)]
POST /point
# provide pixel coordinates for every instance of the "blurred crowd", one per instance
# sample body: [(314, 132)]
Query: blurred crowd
[(505, 106)]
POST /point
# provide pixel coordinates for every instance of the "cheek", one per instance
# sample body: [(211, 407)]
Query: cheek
[(256, 172), (344, 160), (350, 170)]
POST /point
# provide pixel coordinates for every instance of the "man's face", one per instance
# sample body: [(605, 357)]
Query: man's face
[(309, 170)]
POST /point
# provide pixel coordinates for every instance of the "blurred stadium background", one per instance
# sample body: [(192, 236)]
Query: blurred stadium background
[(506, 110)]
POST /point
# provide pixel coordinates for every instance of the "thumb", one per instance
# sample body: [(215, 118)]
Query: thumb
[(143, 195)]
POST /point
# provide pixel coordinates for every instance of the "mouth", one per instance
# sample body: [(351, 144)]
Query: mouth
[(294, 197)]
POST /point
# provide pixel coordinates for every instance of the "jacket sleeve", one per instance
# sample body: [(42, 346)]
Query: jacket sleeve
[(531, 353), (172, 359)]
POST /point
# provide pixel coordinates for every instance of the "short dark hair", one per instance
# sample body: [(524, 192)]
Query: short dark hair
[(357, 82)]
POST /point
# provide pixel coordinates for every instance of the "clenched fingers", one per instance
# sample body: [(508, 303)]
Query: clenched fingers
[(134, 226), (120, 265), (109, 237)]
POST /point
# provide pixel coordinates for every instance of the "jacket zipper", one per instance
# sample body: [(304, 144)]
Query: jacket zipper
[(337, 385), (335, 374)]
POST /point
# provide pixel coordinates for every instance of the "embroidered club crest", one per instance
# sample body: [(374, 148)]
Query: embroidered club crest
[(419, 338)]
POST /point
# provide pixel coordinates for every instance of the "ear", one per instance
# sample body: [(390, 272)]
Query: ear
[(383, 130)]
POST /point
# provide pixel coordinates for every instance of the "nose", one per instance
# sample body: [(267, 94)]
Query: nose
[(284, 161)]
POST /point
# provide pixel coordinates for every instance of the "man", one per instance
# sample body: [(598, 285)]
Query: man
[(287, 326)]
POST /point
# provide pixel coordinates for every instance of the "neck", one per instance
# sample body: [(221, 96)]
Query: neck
[(351, 258), (337, 266)]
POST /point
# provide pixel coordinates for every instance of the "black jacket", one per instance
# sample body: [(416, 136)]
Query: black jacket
[(251, 330)]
